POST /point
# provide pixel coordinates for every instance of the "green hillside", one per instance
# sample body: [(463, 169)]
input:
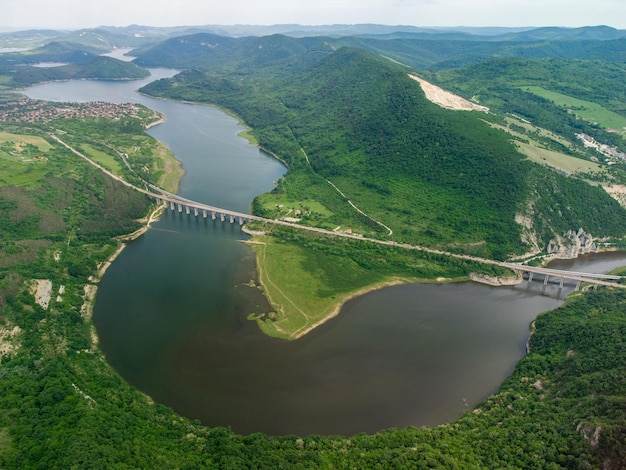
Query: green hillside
[(251, 57), (439, 51), (510, 86), (435, 177), (97, 68)]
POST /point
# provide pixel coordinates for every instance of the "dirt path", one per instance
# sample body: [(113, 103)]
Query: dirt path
[(390, 232)]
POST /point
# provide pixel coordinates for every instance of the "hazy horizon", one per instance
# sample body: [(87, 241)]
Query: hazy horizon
[(78, 14)]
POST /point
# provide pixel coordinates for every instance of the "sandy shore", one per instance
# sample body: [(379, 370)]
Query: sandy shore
[(156, 123), (340, 303)]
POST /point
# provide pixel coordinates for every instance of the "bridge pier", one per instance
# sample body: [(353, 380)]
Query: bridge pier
[(213, 215), (195, 211), (561, 283), (180, 207), (577, 286), (171, 205), (204, 213), (222, 217), (240, 221), (187, 210), (530, 276), (232, 219)]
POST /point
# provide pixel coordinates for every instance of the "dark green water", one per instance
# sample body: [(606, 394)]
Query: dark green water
[(171, 312)]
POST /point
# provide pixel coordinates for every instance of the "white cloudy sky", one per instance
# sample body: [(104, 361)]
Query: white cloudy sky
[(89, 13)]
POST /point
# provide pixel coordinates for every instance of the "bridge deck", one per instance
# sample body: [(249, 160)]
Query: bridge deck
[(595, 278)]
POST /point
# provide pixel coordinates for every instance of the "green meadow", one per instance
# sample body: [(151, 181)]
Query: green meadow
[(105, 159), (587, 110)]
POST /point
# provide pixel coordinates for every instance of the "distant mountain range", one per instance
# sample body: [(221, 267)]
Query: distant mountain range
[(135, 35), (209, 51)]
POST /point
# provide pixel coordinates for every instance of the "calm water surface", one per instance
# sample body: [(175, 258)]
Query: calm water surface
[(171, 311)]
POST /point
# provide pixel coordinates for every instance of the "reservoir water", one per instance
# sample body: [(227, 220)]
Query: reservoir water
[(171, 310)]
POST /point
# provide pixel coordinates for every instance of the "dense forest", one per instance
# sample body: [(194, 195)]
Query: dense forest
[(60, 61)]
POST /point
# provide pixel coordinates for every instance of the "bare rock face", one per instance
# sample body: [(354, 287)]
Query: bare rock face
[(572, 244)]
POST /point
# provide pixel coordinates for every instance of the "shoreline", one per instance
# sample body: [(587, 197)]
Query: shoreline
[(341, 302), (91, 289), (244, 134), (152, 217), (156, 123), (335, 309), (496, 281), (338, 305)]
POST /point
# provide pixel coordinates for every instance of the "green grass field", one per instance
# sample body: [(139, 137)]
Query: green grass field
[(167, 170), (16, 165), (539, 154), (306, 288), (284, 206), (21, 141), (107, 160), (308, 278), (587, 110), (557, 159)]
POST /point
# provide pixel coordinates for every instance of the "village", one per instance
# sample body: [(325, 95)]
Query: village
[(28, 110)]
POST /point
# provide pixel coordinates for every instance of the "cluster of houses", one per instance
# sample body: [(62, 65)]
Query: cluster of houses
[(27, 110)]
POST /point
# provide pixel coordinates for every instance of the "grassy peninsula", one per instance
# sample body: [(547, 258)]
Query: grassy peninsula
[(308, 277)]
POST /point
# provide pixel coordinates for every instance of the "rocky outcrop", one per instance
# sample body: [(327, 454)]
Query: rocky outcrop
[(496, 281), (572, 244), (590, 433)]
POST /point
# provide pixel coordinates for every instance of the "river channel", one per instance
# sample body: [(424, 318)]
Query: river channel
[(171, 310)]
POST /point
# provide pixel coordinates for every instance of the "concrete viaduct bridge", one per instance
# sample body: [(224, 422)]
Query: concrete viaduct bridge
[(561, 275), (181, 204)]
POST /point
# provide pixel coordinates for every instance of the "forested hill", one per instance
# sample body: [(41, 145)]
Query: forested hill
[(367, 126), (211, 52), (242, 56), (18, 71), (434, 176), (100, 68)]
